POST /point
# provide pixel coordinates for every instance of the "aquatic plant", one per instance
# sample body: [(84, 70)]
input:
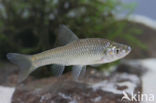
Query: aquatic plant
[(29, 26)]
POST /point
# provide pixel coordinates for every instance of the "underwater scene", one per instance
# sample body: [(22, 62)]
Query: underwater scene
[(77, 51)]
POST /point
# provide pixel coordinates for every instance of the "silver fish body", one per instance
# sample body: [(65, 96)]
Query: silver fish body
[(82, 52), (71, 51)]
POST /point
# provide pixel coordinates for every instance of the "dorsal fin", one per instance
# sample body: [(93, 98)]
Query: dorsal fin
[(64, 36)]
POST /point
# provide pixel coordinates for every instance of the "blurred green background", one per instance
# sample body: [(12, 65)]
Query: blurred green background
[(30, 26)]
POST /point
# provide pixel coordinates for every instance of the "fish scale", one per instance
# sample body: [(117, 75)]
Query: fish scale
[(89, 48)]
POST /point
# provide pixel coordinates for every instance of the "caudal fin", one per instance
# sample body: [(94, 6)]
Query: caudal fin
[(24, 62)]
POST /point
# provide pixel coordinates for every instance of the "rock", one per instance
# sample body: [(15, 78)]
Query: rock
[(95, 87), (8, 74), (132, 67), (147, 37)]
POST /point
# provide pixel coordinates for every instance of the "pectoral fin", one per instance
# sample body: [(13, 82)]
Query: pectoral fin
[(77, 70), (57, 70), (65, 36)]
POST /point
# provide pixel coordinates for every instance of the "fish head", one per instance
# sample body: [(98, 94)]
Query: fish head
[(115, 51)]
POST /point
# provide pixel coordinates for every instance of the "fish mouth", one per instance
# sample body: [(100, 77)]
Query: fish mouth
[(129, 49)]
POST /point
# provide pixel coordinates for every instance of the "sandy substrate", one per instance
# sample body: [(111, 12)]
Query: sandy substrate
[(6, 94), (149, 79)]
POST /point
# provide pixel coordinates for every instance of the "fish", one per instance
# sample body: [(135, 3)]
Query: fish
[(73, 52)]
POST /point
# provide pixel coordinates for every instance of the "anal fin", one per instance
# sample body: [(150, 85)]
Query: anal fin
[(83, 71)]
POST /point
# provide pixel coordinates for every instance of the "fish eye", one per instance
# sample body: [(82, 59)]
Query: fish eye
[(117, 51)]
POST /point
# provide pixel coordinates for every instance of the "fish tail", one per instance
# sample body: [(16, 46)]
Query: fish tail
[(24, 62)]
